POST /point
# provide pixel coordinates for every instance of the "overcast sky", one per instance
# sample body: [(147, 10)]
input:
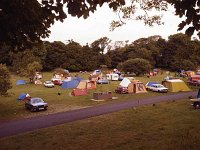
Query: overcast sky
[(97, 25)]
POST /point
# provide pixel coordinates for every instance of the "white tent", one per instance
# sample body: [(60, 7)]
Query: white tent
[(125, 82)]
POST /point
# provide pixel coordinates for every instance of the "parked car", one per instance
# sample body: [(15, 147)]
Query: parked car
[(149, 84), (194, 82), (103, 81), (36, 104), (158, 88), (48, 84), (56, 81), (121, 77), (196, 105), (121, 90)]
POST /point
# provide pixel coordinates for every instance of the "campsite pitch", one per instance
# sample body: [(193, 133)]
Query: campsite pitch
[(59, 99)]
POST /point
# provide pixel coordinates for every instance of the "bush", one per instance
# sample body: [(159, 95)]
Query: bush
[(5, 83), (138, 66)]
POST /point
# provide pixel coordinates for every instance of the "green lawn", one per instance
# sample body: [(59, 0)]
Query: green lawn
[(165, 126), (11, 108)]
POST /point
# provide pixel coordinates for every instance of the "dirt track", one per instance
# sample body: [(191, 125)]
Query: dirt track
[(24, 125)]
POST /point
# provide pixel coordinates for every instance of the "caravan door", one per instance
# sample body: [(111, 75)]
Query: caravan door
[(108, 77)]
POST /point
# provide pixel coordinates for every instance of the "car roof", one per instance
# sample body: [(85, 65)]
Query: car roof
[(34, 98), (157, 84), (150, 83)]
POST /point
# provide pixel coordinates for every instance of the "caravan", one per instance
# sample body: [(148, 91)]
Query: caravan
[(112, 77)]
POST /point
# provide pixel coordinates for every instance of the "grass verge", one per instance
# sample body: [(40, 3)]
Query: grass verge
[(166, 126)]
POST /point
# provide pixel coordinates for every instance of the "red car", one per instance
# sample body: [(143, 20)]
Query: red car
[(57, 82), (121, 90), (194, 82)]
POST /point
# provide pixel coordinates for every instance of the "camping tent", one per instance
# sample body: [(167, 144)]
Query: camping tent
[(86, 84), (70, 84), (133, 86), (125, 82), (96, 72), (21, 82), (77, 78), (79, 92), (67, 79), (176, 85), (23, 96), (138, 87), (38, 82), (82, 87), (94, 77), (190, 73)]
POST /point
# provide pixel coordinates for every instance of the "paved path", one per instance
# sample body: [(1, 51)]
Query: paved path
[(30, 124)]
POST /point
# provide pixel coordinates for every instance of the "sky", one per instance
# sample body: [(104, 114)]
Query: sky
[(97, 25)]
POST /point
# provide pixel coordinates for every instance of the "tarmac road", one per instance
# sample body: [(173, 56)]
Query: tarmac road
[(31, 124)]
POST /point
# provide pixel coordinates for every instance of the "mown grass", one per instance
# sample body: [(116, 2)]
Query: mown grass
[(165, 126), (11, 108)]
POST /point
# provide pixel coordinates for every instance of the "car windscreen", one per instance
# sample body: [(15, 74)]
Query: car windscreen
[(34, 101)]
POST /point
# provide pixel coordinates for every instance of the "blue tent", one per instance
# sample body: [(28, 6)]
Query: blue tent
[(70, 84), (198, 95), (22, 96), (150, 83), (78, 78), (21, 82)]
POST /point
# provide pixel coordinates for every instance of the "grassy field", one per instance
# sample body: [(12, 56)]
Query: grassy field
[(11, 108), (165, 126)]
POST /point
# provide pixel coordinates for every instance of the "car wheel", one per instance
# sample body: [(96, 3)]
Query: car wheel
[(33, 109), (196, 105)]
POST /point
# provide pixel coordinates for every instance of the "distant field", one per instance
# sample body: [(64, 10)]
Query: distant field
[(11, 108), (165, 126)]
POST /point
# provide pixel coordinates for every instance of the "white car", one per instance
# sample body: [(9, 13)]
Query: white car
[(158, 88), (48, 84)]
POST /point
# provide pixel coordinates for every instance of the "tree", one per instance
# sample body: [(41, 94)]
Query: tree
[(5, 54), (186, 9), (56, 55), (128, 12), (87, 58), (21, 60), (100, 44), (117, 56), (138, 66), (180, 47), (184, 64), (5, 83), (189, 10), (24, 22), (32, 68)]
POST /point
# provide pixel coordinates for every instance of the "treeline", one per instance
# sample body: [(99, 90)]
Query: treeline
[(178, 52)]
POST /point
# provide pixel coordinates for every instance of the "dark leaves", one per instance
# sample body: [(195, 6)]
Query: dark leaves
[(181, 25), (190, 31)]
